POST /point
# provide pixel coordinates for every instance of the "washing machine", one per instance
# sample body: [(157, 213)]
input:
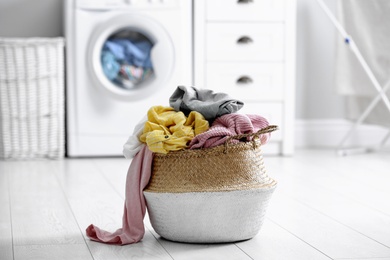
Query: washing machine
[(123, 56)]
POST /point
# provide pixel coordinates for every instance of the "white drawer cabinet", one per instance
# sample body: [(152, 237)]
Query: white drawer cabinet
[(245, 10), (244, 42), (246, 48), (253, 81)]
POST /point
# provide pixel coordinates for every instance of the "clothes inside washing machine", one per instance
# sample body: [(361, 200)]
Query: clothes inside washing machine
[(125, 59)]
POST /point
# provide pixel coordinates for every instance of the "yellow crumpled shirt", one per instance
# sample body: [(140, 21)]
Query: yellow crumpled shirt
[(168, 130)]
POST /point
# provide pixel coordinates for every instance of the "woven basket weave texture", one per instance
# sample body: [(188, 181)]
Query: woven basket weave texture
[(211, 195), (31, 98), (216, 169)]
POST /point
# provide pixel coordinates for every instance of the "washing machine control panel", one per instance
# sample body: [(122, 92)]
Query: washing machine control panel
[(102, 5)]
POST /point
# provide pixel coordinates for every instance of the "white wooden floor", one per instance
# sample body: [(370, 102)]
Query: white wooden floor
[(325, 207)]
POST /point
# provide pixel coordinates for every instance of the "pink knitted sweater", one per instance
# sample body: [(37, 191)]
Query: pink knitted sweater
[(230, 125)]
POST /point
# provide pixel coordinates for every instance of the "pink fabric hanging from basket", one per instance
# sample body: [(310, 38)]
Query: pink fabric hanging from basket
[(133, 229)]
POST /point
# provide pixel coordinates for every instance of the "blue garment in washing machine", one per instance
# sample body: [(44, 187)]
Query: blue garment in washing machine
[(111, 66), (132, 53)]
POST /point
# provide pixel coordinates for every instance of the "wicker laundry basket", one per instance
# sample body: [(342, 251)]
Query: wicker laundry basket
[(31, 98), (211, 195)]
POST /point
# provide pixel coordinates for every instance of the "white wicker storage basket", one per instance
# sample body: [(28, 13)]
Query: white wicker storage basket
[(31, 98), (211, 195)]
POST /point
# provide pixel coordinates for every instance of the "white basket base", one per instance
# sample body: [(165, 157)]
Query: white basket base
[(208, 217)]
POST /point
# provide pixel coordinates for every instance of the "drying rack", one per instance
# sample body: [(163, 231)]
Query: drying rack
[(381, 91)]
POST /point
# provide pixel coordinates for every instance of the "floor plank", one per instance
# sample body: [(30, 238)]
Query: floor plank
[(39, 209), (6, 247), (91, 198), (58, 252), (274, 242), (115, 172), (94, 201), (316, 180), (184, 251), (376, 258), (369, 169), (338, 174), (148, 248), (342, 209), (322, 232)]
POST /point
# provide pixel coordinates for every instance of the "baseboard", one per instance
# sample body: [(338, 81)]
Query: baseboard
[(328, 133)]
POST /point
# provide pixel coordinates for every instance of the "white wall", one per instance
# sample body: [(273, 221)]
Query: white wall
[(320, 110), (316, 36), (316, 97), (31, 18)]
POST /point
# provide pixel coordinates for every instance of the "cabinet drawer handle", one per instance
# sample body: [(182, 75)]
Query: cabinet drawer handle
[(244, 1), (244, 80), (244, 40)]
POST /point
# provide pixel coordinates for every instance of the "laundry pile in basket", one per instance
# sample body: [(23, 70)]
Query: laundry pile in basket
[(196, 118)]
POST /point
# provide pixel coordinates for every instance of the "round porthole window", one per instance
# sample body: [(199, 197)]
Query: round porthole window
[(131, 57), (126, 60)]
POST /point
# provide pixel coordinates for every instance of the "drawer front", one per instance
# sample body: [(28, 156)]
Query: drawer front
[(245, 10), (272, 111), (244, 42), (247, 81)]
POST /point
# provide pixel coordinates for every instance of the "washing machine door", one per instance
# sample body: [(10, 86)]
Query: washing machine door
[(130, 56)]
